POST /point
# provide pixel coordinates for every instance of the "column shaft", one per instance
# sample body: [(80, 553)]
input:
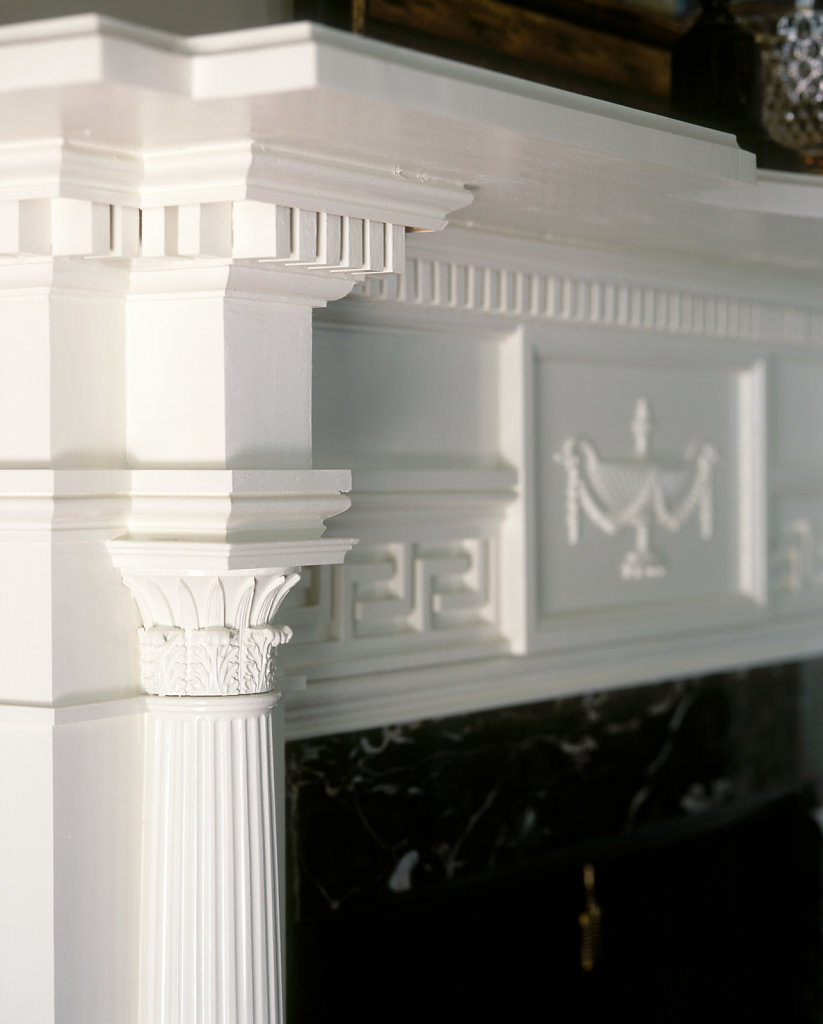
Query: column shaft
[(210, 943)]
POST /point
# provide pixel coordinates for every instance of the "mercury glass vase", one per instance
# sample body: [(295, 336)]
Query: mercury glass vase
[(790, 40)]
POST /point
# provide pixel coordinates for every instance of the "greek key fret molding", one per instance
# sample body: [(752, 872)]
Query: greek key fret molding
[(638, 492), (401, 599), (209, 635), (798, 558), (291, 237), (566, 298)]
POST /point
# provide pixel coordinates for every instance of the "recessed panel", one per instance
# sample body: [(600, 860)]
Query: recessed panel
[(646, 491), (798, 409), (385, 397)]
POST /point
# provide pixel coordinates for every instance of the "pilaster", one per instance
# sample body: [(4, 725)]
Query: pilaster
[(158, 274)]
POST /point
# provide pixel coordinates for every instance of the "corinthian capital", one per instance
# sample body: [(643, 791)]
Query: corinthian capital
[(210, 635)]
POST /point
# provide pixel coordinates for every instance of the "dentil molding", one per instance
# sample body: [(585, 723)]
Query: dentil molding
[(448, 282), (288, 236)]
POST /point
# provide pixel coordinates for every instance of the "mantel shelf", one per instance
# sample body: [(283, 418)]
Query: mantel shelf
[(147, 112)]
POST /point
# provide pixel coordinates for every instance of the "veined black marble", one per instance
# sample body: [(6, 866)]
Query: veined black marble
[(384, 812)]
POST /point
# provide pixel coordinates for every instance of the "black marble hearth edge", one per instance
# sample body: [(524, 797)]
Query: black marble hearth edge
[(388, 811)]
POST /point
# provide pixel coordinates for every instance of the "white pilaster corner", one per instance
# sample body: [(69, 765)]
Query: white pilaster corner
[(158, 271)]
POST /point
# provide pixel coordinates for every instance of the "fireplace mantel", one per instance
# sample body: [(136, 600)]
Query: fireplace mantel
[(393, 385)]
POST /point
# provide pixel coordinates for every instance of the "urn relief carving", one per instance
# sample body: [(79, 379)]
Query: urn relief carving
[(639, 492)]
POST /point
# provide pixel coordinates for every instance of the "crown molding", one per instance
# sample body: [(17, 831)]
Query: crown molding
[(223, 171)]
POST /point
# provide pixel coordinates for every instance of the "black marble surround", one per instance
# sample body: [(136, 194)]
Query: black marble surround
[(397, 817)]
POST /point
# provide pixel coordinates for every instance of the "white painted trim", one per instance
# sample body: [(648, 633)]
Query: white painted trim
[(70, 714), (560, 287), (173, 557), (366, 700)]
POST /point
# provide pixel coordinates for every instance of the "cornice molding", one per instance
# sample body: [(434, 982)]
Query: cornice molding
[(223, 171)]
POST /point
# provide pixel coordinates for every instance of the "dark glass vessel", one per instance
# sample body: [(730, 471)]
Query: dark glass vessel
[(715, 73)]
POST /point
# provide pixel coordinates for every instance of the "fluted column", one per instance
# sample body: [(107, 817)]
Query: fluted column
[(211, 949)]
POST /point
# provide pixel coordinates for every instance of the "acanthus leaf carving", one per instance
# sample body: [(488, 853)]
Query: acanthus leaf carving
[(198, 655)]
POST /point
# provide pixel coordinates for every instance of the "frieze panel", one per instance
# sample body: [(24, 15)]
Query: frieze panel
[(393, 595), (639, 492)]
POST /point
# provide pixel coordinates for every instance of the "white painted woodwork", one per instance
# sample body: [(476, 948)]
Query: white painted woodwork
[(211, 931), (288, 315)]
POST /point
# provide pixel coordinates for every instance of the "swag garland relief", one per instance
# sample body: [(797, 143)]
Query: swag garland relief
[(638, 492)]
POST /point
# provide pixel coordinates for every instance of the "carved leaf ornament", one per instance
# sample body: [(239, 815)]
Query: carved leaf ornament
[(800, 555), (639, 492), (197, 640)]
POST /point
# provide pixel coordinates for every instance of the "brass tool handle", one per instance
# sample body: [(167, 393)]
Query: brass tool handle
[(589, 920)]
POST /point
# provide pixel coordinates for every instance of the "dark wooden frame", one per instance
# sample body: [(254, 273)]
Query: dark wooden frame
[(606, 48)]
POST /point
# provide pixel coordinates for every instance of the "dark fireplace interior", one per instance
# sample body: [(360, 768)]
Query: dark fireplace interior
[(649, 854)]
